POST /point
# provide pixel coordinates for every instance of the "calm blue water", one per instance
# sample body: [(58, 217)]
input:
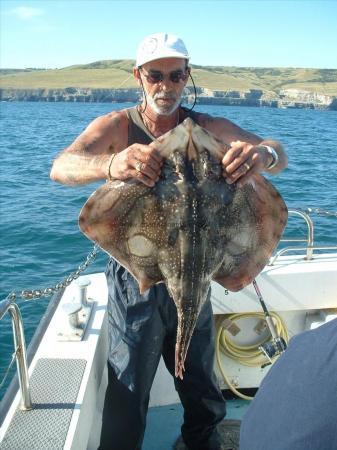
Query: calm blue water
[(40, 241)]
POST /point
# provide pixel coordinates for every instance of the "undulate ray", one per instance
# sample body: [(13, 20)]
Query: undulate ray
[(190, 228)]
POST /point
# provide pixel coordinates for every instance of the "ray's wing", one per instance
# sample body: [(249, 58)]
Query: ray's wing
[(189, 228), (257, 217), (249, 226), (121, 218), (137, 226)]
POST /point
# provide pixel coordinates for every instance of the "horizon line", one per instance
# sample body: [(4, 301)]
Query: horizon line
[(192, 64)]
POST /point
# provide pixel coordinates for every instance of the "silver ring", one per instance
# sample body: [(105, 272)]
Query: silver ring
[(247, 166), (139, 166)]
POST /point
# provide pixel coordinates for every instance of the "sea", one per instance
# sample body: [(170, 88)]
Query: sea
[(40, 242)]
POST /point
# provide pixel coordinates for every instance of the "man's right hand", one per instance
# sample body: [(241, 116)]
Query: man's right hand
[(139, 162)]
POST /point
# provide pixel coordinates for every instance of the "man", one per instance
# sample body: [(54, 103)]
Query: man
[(143, 327), (295, 407)]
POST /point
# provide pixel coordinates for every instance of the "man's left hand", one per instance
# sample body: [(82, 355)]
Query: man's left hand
[(242, 161)]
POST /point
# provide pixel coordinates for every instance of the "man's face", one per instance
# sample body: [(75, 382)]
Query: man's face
[(163, 81)]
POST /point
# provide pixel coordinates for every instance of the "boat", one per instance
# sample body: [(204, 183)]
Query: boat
[(56, 399)]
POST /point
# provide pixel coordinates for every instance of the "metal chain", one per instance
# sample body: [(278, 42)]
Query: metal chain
[(9, 368), (319, 212), (32, 294)]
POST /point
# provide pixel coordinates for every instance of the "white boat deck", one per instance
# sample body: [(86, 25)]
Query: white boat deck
[(295, 287)]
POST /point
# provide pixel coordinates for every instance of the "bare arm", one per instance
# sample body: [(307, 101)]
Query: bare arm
[(87, 158)]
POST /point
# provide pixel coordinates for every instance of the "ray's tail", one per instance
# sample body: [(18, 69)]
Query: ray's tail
[(186, 325)]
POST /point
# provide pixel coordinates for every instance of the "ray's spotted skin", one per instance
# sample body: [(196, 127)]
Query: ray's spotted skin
[(188, 229)]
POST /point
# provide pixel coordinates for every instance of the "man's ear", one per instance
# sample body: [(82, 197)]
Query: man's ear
[(136, 74), (188, 70)]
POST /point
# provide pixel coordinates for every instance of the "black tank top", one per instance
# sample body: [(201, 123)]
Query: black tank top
[(137, 131)]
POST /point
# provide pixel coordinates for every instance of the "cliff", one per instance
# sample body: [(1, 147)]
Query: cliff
[(287, 98), (113, 81), (71, 94)]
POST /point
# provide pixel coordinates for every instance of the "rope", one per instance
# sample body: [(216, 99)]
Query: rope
[(9, 368), (247, 355)]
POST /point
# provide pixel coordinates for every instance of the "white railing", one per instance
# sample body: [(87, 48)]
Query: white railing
[(309, 247), (20, 350)]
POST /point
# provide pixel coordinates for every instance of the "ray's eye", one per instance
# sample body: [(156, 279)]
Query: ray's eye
[(205, 163), (168, 171), (210, 167), (173, 236), (179, 163)]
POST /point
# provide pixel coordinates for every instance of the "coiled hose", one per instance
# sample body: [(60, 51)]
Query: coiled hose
[(248, 355)]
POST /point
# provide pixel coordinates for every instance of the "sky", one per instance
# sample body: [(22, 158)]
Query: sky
[(263, 33)]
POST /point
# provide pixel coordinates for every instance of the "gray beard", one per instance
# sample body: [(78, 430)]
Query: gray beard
[(162, 110)]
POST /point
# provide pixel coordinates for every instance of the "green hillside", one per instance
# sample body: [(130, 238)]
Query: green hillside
[(116, 74)]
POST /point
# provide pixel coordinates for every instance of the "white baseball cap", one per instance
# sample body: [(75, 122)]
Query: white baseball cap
[(160, 45)]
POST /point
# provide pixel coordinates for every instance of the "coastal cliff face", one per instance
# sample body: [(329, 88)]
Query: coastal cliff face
[(71, 94), (289, 98)]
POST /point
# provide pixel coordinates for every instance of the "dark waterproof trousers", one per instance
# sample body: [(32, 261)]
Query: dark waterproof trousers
[(142, 328)]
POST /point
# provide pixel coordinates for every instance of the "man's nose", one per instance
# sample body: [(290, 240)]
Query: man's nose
[(166, 84)]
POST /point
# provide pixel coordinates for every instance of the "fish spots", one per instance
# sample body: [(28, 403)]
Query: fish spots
[(190, 228)]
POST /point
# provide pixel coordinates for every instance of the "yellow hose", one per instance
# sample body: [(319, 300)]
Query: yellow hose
[(248, 355)]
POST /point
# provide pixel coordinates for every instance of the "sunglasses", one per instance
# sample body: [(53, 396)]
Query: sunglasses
[(155, 76)]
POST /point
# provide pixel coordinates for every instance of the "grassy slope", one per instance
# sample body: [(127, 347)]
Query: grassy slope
[(118, 74)]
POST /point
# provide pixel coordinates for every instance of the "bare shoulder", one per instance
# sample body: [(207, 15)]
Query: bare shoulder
[(226, 130), (104, 135), (113, 126)]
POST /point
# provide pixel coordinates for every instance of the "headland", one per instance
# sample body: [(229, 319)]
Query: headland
[(112, 81)]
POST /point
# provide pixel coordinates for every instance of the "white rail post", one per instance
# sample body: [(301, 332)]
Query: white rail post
[(20, 350)]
